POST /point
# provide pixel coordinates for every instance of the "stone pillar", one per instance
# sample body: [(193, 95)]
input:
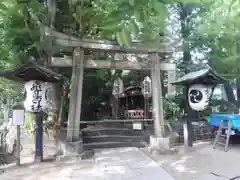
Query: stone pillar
[(73, 145), (79, 56), (171, 78), (158, 142), (76, 72), (157, 95)]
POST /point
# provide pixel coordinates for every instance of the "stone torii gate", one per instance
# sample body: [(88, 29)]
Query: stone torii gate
[(156, 55)]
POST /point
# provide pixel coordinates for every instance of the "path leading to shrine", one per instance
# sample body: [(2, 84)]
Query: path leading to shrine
[(111, 164)]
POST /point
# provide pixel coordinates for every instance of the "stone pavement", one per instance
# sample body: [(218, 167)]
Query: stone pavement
[(204, 163), (111, 164)]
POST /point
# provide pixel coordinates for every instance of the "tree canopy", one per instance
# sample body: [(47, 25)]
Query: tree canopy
[(201, 31)]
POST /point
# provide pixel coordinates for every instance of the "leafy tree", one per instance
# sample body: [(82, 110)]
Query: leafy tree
[(121, 20)]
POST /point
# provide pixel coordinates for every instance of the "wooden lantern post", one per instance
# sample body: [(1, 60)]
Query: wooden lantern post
[(203, 77), (38, 82)]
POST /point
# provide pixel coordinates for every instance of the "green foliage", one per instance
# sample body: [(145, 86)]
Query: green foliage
[(29, 123), (131, 19), (223, 106), (207, 30), (121, 20), (19, 34), (219, 26), (1, 117), (10, 92), (172, 111)]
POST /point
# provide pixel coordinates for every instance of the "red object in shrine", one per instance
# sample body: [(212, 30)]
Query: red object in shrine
[(64, 91)]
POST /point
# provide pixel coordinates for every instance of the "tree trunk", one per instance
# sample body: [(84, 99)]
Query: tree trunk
[(229, 93), (162, 82), (184, 11)]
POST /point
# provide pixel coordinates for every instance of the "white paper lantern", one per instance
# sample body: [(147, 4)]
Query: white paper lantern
[(147, 87), (40, 96), (118, 88), (198, 96)]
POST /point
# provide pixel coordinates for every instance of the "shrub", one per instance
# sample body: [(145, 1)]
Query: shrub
[(29, 123), (171, 109)]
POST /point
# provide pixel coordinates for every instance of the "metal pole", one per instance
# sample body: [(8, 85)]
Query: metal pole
[(39, 137), (185, 135), (117, 110), (18, 148), (189, 116)]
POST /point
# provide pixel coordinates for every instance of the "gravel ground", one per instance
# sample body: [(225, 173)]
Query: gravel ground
[(107, 164), (203, 163), (28, 144)]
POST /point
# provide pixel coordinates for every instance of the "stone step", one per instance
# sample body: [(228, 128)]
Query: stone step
[(114, 138), (112, 131), (112, 144), (98, 137)]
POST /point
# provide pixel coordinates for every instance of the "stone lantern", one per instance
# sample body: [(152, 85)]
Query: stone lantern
[(118, 91), (147, 94), (147, 87), (118, 88)]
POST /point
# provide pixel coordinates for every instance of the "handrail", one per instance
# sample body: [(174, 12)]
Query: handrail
[(115, 121)]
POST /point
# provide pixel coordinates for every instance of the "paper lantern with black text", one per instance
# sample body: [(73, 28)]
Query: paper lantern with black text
[(40, 96), (198, 96)]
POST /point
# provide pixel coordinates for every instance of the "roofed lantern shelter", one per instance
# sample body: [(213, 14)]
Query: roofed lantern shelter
[(206, 76), (26, 73), (32, 71)]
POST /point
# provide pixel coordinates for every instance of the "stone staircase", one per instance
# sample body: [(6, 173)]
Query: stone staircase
[(117, 134), (114, 135)]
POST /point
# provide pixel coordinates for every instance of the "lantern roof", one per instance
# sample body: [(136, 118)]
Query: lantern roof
[(18, 105), (204, 76), (32, 71), (133, 91)]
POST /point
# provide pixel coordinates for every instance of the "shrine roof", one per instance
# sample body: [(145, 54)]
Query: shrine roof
[(32, 71), (204, 76), (18, 105), (129, 88)]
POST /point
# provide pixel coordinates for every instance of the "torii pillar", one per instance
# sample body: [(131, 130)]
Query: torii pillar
[(73, 133), (158, 142)]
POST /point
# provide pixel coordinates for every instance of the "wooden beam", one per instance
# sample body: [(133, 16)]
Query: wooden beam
[(137, 47), (105, 64)]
